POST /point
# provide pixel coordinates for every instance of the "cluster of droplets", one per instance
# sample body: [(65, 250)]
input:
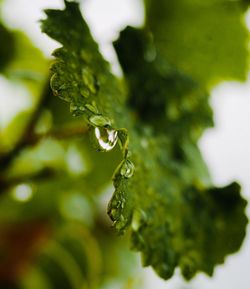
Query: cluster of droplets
[(116, 206), (107, 138), (118, 202)]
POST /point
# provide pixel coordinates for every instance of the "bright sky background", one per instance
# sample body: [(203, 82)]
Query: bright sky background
[(226, 147)]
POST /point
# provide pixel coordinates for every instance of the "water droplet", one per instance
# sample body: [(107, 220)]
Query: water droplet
[(113, 211), (84, 91), (100, 120), (107, 138), (76, 110), (121, 204), (92, 108), (114, 214), (127, 169), (73, 107)]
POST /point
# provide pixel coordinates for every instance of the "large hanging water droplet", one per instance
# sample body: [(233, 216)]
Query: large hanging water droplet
[(107, 138), (127, 169)]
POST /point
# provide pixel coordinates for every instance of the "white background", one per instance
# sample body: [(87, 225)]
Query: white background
[(226, 147)]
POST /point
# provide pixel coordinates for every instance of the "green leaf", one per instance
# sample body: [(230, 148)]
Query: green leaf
[(197, 37), (26, 69), (163, 194), (56, 184), (80, 73), (27, 65), (177, 105), (7, 48)]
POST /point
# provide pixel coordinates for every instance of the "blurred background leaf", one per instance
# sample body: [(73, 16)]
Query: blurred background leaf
[(205, 39), (54, 186)]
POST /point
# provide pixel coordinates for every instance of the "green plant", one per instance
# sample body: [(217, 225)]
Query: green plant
[(149, 122)]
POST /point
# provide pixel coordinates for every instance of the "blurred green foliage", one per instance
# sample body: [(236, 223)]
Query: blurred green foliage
[(8, 48), (28, 69), (54, 182), (205, 39)]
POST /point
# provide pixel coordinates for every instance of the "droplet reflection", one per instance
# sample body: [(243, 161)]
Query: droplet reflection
[(107, 138), (127, 169)]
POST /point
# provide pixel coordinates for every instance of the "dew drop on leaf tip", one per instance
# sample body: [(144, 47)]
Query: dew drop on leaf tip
[(107, 138), (127, 169)]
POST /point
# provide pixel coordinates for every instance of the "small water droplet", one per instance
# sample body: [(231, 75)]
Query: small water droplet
[(84, 91), (114, 214), (73, 107), (92, 108), (107, 138), (121, 204), (100, 120), (127, 169), (76, 110)]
